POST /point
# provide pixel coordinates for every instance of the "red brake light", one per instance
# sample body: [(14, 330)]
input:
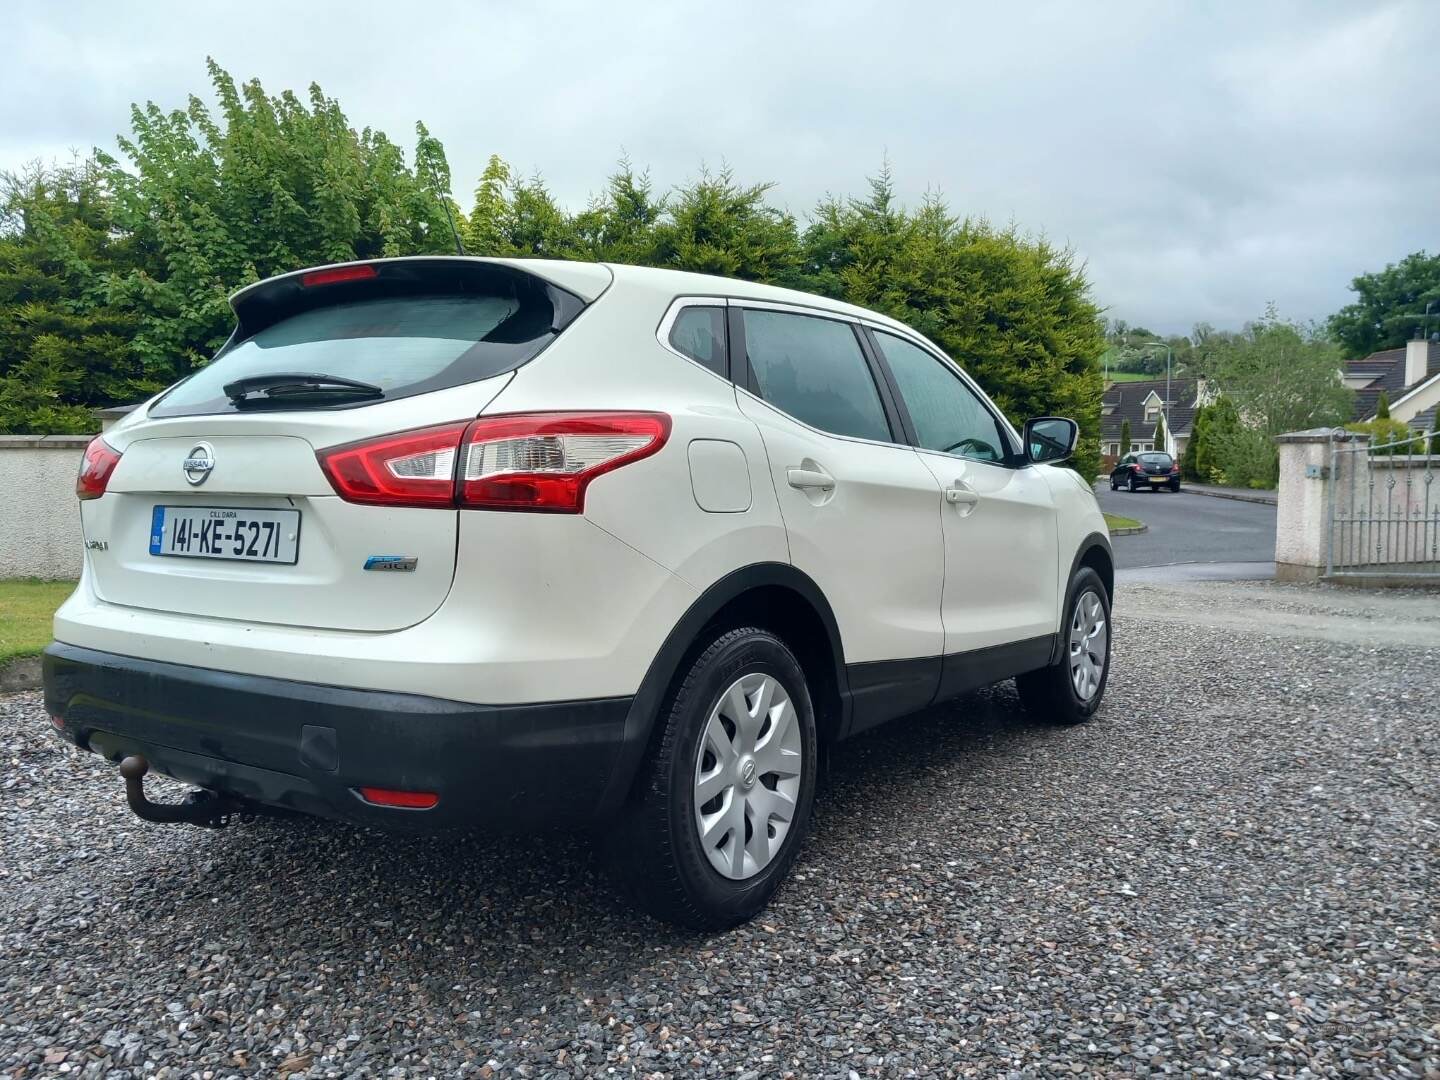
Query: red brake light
[(412, 468), (1175, 467), (95, 468), (337, 275), (409, 800), (543, 462)]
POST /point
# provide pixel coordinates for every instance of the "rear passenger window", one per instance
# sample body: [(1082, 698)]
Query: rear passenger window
[(699, 333), (813, 369)]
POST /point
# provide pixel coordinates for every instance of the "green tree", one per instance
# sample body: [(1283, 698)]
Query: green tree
[(1282, 376), (1124, 437), (1389, 305), (270, 185), (1382, 406), (1189, 466), (1159, 442), (64, 347)]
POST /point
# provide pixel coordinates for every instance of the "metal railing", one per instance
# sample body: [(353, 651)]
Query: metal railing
[(1384, 515)]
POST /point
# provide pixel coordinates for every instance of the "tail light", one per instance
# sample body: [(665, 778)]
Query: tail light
[(1175, 468), (413, 468), (545, 461), (95, 468), (538, 462)]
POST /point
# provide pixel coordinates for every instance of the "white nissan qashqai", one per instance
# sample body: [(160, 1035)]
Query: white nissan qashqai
[(452, 541)]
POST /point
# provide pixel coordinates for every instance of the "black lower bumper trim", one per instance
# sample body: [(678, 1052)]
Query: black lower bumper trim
[(307, 747)]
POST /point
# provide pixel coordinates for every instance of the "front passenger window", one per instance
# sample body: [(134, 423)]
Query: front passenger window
[(946, 413)]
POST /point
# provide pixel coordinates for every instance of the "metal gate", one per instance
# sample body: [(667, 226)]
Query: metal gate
[(1384, 516)]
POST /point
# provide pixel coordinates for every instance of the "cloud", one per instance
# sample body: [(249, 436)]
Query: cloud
[(1202, 160)]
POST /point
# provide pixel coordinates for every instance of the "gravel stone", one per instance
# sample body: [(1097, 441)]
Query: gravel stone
[(1230, 872)]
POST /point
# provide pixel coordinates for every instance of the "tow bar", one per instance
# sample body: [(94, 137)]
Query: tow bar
[(208, 809)]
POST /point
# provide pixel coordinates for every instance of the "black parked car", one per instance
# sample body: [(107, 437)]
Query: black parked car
[(1151, 470)]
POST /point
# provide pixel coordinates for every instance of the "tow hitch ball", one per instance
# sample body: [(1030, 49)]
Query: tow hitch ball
[(200, 807)]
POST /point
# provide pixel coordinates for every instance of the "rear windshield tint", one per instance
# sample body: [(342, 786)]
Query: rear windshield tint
[(404, 344), (1155, 459)]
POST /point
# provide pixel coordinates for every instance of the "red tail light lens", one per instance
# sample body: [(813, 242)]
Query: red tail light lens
[(543, 462), (413, 468), (537, 462), (95, 469), (337, 275)]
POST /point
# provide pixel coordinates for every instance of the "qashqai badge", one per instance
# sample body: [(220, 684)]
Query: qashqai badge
[(198, 463)]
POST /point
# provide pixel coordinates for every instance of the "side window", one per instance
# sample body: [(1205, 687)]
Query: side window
[(813, 369), (699, 333), (946, 413)]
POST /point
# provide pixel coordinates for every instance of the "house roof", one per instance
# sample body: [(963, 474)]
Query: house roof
[(1388, 368), (1126, 401)]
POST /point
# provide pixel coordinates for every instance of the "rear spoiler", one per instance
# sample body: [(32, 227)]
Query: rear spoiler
[(267, 302)]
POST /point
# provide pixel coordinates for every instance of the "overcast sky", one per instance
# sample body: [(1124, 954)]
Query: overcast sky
[(1202, 159)]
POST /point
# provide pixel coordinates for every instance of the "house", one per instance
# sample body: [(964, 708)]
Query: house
[(1143, 403), (1408, 377)]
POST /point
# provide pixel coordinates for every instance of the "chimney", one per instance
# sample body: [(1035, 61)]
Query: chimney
[(1417, 360)]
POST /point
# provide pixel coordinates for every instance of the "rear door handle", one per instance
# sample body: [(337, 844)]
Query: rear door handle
[(809, 478)]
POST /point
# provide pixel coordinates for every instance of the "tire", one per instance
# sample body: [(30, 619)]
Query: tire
[(1113, 485), (1134, 487), (1175, 486), (1051, 693), (655, 850)]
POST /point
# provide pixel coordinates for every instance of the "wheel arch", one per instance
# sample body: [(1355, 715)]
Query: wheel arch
[(1095, 552), (774, 596)]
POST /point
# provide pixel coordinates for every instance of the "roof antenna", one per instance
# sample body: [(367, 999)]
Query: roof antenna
[(459, 248)]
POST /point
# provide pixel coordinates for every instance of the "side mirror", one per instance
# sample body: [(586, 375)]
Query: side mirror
[(1050, 438)]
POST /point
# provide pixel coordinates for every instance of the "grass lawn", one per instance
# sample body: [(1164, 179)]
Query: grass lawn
[(25, 610), (1133, 376), (1115, 521)]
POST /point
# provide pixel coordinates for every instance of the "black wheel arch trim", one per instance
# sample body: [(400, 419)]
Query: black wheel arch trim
[(1090, 543), (640, 720)]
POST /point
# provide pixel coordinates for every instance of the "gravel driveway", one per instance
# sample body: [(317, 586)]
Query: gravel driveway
[(1231, 872)]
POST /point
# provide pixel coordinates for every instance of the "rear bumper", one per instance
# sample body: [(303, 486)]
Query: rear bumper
[(309, 748)]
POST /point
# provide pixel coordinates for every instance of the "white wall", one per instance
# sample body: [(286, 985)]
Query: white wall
[(39, 515)]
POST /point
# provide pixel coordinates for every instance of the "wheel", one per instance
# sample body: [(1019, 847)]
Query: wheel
[(1069, 691), (1113, 485), (1134, 486), (1175, 486), (725, 797)]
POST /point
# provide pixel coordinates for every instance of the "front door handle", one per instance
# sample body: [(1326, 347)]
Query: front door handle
[(809, 478), (962, 495)]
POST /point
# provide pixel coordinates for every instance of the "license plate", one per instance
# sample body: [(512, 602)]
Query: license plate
[(222, 532)]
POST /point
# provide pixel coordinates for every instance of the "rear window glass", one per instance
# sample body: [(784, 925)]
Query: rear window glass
[(699, 333), (1155, 459), (404, 345)]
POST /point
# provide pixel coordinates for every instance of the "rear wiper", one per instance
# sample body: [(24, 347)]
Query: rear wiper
[(286, 384)]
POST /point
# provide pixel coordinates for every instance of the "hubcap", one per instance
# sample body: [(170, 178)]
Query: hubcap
[(1089, 636), (747, 776)]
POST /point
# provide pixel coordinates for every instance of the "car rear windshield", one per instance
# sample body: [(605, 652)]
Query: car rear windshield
[(1156, 459), (405, 345)]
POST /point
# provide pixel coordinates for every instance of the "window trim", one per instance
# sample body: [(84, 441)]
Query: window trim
[(1014, 457), (745, 382), (667, 323)]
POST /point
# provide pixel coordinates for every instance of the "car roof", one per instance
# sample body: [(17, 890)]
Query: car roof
[(686, 283)]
